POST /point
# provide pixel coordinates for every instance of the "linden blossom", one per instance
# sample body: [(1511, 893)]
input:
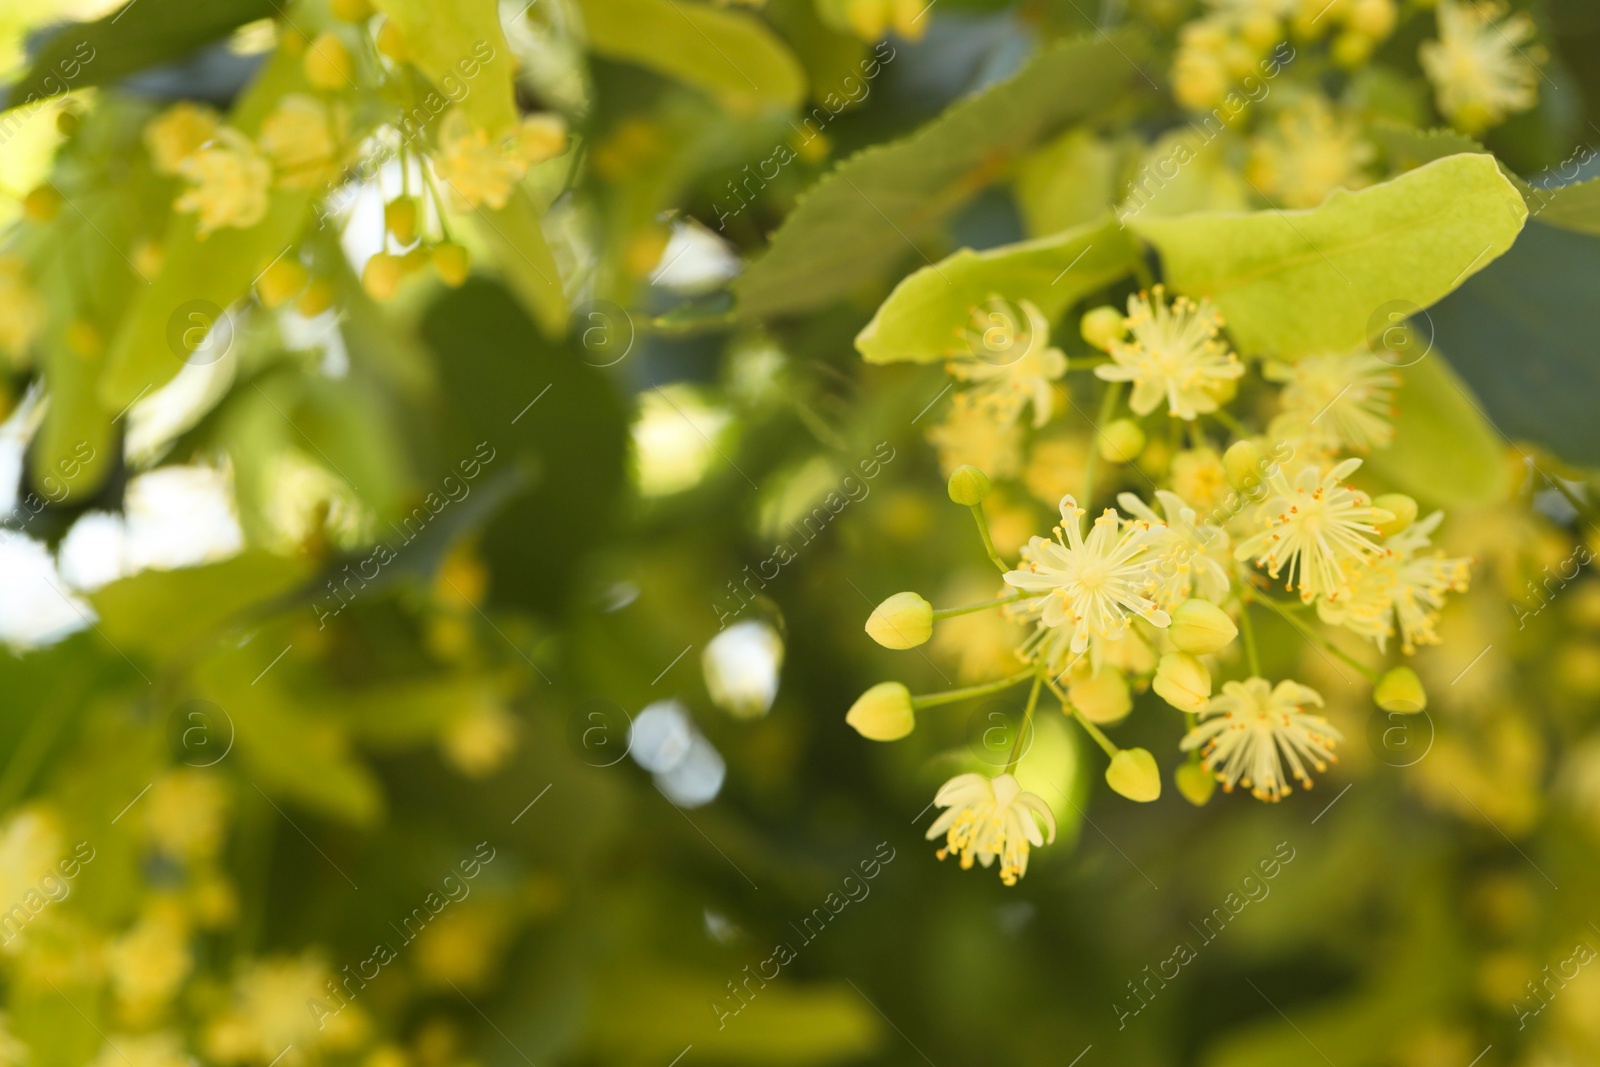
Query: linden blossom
[(384, 953), (1151, 180), (340, 193), (382, 555), (831, 907), (821, 515), (1255, 891)]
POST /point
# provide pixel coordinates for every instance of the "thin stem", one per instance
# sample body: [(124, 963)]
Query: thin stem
[(438, 201), (988, 541), (968, 609), (1090, 728), (1368, 673), (1027, 723), (1247, 630), (1233, 424), (1087, 363), (933, 700), (1583, 509), (1108, 404)]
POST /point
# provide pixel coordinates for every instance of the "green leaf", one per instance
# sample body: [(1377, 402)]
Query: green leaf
[(1293, 282), (857, 223), (1574, 207), (203, 277), (1522, 333), (450, 42), (128, 40), (515, 235), (1067, 182), (163, 613), (1203, 177), (1445, 452), (289, 752), (405, 713), (729, 54), (522, 402), (924, 316), (75, 447)]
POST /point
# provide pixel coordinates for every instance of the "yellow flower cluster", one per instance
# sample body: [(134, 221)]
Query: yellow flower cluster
[(480, 172), (229, 176)]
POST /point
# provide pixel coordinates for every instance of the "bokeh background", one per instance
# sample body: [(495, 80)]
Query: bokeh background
[(568, 713)]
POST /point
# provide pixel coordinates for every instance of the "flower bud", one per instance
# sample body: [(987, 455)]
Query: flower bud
[(1351, 49), (41, 204), (392, 43), (1103, 325), (400, 219), (327, 63), (1182, 681), (1402, 507), (415, 260), (317, 298), (968, 485), (1133, 773), (452, 264), (905, 620), (1373, 18), (1400, 691), (1243, 464), (1121, 441), (883, 713), (1222, 390), (1199, 626), (281, 282), (381, 276), (1195, 783), (1101, 698)]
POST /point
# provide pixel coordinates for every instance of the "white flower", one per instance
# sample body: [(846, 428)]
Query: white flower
[(1242, 731), (1173, 354), (1190, 558), (985, 818), (1400, 589), (1481, 72), (1091, 584), (1315, 526), (1344, 401), (1011, 364)]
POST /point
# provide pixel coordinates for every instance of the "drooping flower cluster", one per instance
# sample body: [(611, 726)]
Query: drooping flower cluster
[(1155, 594), (1088, 587), (1252, 728)]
